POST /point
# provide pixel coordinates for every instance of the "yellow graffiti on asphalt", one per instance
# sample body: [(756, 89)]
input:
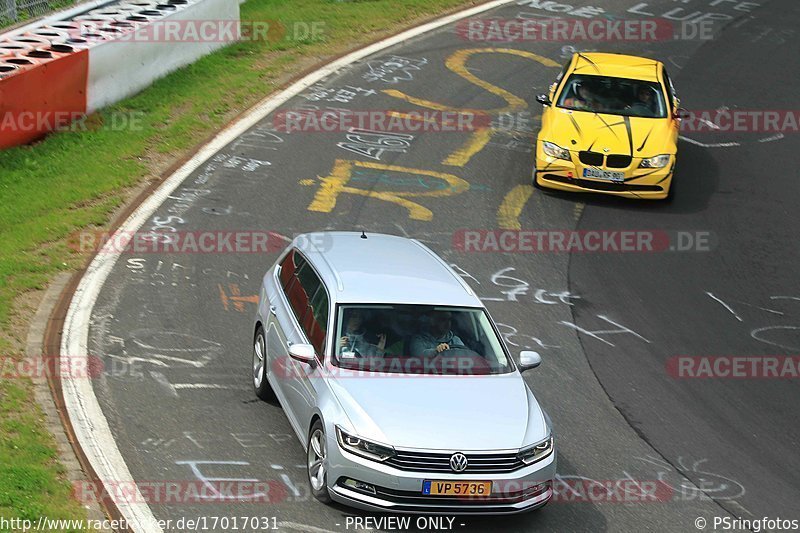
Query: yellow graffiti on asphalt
[(578, 210), (481, 135), (511, 208), (336, 183), (477, 142)]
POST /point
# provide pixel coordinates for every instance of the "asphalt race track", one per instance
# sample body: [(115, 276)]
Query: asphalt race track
[(179, 326)]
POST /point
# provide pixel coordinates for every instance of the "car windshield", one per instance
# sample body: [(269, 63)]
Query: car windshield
[(413, 339), (615, 96)]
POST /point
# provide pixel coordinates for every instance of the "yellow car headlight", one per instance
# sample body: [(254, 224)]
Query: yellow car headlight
[(554, 150), (659, 161)]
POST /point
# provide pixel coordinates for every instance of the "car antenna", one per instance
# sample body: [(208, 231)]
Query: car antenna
[(363, 234)]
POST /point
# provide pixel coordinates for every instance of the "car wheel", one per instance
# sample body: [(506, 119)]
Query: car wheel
[(260, 383), (318, 463)]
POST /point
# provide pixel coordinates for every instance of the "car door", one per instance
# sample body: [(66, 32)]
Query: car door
[(302, 319), (283, 331)]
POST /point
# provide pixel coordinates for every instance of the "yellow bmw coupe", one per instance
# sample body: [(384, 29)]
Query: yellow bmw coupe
[(610, 125)]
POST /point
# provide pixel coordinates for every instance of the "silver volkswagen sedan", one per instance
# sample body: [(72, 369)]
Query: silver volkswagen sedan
[(396, 381)]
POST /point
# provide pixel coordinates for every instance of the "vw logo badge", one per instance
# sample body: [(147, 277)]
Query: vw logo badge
[(458, 462)]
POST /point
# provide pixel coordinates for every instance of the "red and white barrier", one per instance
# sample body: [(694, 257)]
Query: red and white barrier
[(61, 68)]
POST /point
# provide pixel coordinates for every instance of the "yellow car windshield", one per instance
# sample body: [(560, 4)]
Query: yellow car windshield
[(615, 96)]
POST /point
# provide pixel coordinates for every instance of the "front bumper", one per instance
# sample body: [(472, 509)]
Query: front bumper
[(400, 491), (643, 183)]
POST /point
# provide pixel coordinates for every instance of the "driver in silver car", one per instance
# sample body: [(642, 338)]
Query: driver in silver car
[(439, 337)]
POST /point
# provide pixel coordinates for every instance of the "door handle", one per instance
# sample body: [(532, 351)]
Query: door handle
[(273, 309)]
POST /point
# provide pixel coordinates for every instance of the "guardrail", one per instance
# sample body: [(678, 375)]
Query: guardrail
[(76, 62)]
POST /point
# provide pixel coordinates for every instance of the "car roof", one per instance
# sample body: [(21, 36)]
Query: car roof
[(617, 65), (383, 269)]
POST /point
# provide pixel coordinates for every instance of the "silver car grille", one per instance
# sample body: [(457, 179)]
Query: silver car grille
[(478, 463)]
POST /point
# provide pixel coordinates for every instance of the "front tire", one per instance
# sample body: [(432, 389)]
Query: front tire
[(317, 463), (260, 383)]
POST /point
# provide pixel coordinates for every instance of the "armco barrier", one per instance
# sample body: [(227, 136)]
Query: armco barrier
[(42, 95), (62, 67)]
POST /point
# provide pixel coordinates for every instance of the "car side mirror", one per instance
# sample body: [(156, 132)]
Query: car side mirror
[(543, 99), (529, 360), (302, 352), (682, 113)]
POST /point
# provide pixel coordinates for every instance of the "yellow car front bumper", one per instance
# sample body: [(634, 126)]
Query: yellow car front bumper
[(563, 175)]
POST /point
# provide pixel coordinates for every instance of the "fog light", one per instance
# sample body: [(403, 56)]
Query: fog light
[(359, 485), (536, 489)]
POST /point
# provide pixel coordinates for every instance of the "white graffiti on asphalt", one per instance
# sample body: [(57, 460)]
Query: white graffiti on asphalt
[(374, 144), (341, 95), (393, 69)]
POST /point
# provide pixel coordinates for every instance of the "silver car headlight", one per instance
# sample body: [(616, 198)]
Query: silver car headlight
[(554, 150), (659, 161), (363, 447), (537, 452)]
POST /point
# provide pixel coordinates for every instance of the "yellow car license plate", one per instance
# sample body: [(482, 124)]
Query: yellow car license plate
[(617, 177), (456, 488)]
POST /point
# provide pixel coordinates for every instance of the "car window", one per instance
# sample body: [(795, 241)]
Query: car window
[(307, 297), (412, 339), (315, 323), (671, 90), (288, 268), (616, 96), (563, 71), (295, 294), (308, 278), (554, 86)]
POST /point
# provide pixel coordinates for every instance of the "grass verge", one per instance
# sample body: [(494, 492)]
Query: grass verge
[(74, 180)]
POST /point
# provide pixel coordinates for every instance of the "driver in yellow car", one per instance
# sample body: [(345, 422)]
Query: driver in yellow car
[(583, 100)]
